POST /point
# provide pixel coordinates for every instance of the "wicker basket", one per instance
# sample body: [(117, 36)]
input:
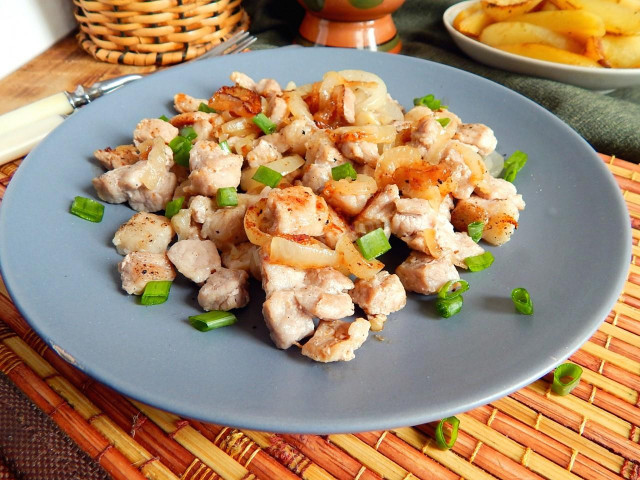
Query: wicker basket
[(155, 32)]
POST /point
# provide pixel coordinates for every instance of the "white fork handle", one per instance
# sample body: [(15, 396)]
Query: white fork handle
[(56, 104), (17, 142)]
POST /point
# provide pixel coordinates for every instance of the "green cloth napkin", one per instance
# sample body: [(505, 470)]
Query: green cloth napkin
[(610, 123)]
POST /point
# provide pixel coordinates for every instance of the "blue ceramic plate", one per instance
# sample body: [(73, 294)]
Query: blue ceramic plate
[(570, 252)]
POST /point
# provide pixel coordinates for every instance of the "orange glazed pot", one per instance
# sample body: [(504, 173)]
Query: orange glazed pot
[(362, 24)]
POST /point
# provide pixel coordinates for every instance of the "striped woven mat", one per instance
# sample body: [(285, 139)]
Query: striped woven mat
[(593, 433)]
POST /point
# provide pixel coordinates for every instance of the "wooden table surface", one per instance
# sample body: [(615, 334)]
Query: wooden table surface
[(62, 67)]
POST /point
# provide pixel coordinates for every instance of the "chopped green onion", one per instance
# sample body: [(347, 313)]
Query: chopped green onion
[(227, 197), (267, 176), (443, 121), (266, 125), (373, 244), (565, 378), (513, 165), (189, 133), (448, 293), (203, 107), (440, 440), (213, 319), (156, 293), (479, 262), (448, 307), (164, 117), (522, 301), (474, 229), (345, 170), (87, 209), (225, 146), (181, 148), (173, 206), (428, 101)]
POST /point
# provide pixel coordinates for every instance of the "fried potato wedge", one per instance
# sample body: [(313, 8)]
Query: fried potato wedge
[(550, 54), (588, 33), (547, 6), (578, 24), (509, 33), (617, 18), (471, 21), (632, 4), (593, 50), (507, 9), (621, 51), (565, 4), (471, 9)]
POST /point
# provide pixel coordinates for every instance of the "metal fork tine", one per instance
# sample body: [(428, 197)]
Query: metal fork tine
[(241, 46), (221, 47), (228, 44)]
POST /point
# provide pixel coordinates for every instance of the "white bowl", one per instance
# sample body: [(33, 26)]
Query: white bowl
[(585, 77)]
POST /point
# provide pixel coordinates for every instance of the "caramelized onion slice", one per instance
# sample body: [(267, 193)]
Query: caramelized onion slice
[(252, 221), (392, 159), (362, 185), (370, 89), (353, 260), (364, 133), (429, 235), (237, 100), (303, 253), (157, 163), (286, 165)]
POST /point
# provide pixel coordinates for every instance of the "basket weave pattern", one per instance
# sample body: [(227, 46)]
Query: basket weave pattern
[(155, 32)]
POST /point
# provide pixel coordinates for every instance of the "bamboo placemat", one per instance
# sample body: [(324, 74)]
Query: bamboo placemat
[(591, 434)]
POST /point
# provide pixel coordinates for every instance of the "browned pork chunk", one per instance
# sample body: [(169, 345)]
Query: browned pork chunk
[(454, 159), (323, 294), (212, 168), (378, 212), (127, 184), (202, 123), (361, 152), (243, 256), (195, 258), (224, 290), (150, 128), (478, 135), (424, 274), (295, 135), (225, 226), (297, 211), (139, 268), (491, 188), (120, 156), (144, 232), (335, 228), (413, 215), (286, 320), (264, 152), (335, 341), (381, 295), (295, 296), (184, 103), (268, 87), (500, 216), (277, 110)]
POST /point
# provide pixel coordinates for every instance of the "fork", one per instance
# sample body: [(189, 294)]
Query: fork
[(23, 128), (235, 43)]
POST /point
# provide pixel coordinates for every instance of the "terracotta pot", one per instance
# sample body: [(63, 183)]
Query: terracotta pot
[(362, 24)]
